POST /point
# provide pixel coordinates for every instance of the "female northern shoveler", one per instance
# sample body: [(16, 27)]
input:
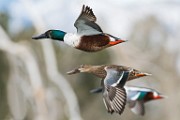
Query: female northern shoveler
[(89, 36), (114, 94), (137, 96), (99, 71)]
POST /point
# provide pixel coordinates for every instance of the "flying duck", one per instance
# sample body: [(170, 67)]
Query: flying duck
[(99, 71), (89, 36), (137, 96)]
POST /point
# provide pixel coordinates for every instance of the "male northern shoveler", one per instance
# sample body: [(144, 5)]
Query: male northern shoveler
[(137, 96), (99, 71), (89, 36), (114, 94)]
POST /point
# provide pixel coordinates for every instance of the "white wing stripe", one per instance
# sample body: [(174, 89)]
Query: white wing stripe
[(115, 84)]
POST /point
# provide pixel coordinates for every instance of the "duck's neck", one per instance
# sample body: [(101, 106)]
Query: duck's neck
[(57, 35)]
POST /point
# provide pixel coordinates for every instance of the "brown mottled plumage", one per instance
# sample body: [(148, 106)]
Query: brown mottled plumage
[(99, 71)]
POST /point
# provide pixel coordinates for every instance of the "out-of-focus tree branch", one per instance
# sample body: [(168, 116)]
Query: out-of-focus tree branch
[(16, 99), (31, 65), (51, 64)]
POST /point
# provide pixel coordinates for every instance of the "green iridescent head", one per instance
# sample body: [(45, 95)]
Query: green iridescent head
[(53, 34), (142, 95)]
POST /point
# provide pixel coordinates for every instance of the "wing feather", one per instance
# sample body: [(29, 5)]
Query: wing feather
[(115, 99), (85, 23)]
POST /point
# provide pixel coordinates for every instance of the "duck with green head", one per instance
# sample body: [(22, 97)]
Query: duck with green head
[(89, 36), (137, 96)]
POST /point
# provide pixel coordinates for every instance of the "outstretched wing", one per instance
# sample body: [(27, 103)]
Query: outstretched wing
[(114, 99), (114, 94), (85, 23)]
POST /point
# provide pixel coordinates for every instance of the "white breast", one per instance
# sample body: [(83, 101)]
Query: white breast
[(71, 39)]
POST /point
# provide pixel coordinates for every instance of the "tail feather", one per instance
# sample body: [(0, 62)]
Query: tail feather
[(114, 40), (96, 90)]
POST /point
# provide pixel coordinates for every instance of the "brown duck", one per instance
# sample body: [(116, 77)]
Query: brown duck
[(99, 71)]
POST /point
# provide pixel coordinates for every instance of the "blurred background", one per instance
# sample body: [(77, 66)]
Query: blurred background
[(33, 80)]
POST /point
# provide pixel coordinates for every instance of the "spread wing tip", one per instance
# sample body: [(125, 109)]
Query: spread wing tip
[(115, 101), (87, 11)]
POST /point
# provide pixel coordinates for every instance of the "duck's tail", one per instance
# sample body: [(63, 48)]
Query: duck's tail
[(114, 40)]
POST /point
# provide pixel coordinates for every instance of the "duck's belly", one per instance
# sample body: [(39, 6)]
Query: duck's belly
[(93, 43)]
